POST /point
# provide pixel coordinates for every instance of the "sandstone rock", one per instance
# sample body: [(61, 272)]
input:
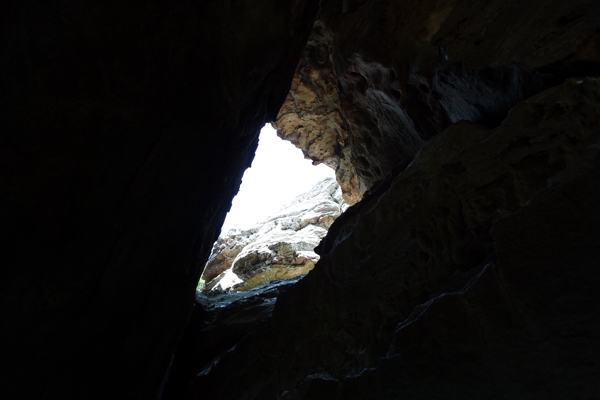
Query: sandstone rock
[(280, 247), (468, 270)]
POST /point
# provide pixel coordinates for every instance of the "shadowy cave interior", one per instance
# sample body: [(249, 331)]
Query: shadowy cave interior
[(464, 134)]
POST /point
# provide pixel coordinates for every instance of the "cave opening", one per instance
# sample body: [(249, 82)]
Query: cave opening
[(279, 172), (283, 208)]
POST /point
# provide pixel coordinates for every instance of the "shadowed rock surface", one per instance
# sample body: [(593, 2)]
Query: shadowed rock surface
[(126, 128), (280, 247), (221, 320), (379, 78), (468, 128), (478, 297)]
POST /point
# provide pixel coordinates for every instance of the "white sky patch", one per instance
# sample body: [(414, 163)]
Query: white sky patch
[(279, 173)]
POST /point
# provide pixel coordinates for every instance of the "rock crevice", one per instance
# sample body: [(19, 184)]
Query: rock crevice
[(468, 128), (456, 277)]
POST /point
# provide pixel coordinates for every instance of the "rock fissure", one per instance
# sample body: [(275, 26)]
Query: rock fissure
[(464, 134), (479, 151)]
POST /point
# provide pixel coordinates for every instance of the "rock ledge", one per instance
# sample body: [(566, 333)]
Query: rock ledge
[(280, 247)]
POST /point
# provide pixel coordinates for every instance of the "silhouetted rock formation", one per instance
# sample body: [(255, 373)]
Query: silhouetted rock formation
[(444, 273), (221, 320), (126, 128), (469, 128), (280, 247)]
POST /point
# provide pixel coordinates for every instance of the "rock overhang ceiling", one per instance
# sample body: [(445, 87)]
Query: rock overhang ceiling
[(380, 78), (126, 131)]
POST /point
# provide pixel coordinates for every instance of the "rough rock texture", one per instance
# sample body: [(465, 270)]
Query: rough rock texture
[(472, 272), (379, 78), (126, 127), (280, 247), (468, 270)]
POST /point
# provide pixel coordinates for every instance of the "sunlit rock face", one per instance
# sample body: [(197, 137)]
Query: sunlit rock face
[(311, 116), (280, 247)]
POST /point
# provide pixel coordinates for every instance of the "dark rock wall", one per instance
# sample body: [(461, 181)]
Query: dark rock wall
[(470, 127), (220, 321), (126, 127), (471, 274), (405, 70)]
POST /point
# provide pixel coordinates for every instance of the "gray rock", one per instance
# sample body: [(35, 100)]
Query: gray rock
[(279, 247)]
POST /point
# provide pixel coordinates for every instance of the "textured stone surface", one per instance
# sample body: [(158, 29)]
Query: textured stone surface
[(468, 270), (441, 274), (379, 78), (522, 327), (311, 116), (126, 127), (280, 247)]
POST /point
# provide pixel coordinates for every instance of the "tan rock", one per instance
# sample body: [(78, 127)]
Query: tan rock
[(311, 116)]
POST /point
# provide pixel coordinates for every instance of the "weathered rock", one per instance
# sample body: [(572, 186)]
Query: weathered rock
[(280, 247), (434, 283), (380, 78), (470, 273), (521, 328), (311, 116)]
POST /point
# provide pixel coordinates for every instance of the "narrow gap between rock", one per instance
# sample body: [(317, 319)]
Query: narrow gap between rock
[(283, 209)]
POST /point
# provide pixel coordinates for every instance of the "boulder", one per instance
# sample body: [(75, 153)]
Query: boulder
[(279, 247)]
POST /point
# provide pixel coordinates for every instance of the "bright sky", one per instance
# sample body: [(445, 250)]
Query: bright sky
[(279, 173)]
